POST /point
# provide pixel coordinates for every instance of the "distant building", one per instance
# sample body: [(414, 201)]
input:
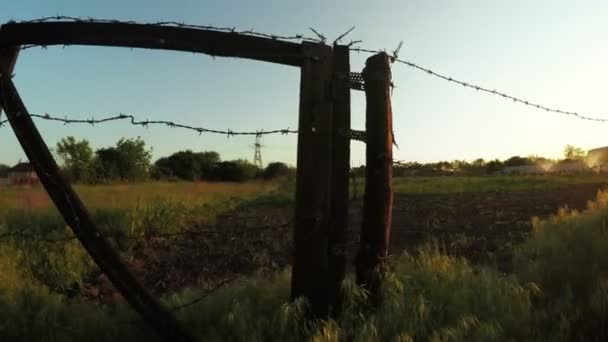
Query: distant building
[(562, 167), (597, 159), (22, 174), (523, 170)]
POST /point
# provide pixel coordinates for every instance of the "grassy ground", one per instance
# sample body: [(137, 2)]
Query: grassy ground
[(557, 292), (460, 184), (556, 289), (121, 196)]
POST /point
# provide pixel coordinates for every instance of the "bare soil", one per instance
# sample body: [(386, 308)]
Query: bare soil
[(483, 227)]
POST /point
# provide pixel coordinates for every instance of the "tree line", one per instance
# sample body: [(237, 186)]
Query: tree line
[(131, 160), (477, 167)]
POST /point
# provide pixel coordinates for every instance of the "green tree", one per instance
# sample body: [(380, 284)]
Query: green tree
[(76, 156), (108, 164), (235, 171), (574, 153), (517, 161), (187, 165), (478, 163), (493, 166), (129, 160)]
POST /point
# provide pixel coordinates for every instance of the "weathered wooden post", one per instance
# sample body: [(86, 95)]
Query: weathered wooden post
[(378, 196), (339, 174), (8, 58), (310, 271)]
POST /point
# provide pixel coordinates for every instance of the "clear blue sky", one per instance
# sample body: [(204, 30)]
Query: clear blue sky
[(552, 52)]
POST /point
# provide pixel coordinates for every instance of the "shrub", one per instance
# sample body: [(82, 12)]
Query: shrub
[(277, 169)]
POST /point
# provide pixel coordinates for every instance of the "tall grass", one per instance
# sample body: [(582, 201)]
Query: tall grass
[(558, 292), (53, 258), (427, 297)]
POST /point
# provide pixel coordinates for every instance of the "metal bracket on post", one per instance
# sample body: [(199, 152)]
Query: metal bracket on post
[(355, 81), (358, 135)]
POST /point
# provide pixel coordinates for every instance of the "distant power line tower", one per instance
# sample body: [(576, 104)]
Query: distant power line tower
[(257, 155)]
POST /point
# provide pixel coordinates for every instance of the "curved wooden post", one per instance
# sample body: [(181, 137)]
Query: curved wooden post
[(78, 218), (8, 59)]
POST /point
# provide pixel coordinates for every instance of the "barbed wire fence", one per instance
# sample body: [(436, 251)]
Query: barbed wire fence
[(356, 81), (353, 134), (395, 59), (322, 39)]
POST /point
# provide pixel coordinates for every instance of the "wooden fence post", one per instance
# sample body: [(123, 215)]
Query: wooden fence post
[(340, 174), (310, 274), (78, 218), (8, 58), (378, 196)]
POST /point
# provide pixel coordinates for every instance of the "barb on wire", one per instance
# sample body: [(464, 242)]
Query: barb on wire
[(321, 38), (250, 32), (485, 89), (343, 35), (395, 53)]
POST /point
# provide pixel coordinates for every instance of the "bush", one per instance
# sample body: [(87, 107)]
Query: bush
[(276, 169)]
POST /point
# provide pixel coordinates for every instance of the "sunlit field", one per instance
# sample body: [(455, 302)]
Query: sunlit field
[(128, 195), (554, 288), (462, 184)]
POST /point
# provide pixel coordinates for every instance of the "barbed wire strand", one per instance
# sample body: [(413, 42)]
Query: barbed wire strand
[(352, 134), (394, 58), (322, 39), (145, 123)]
